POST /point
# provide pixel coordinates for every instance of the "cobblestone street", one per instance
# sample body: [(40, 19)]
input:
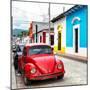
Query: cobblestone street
[(76, 74)]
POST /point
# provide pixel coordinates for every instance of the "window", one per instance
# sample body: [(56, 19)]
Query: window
[(40, 49)]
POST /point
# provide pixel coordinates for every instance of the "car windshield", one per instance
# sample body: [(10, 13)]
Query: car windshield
[(40, 49)]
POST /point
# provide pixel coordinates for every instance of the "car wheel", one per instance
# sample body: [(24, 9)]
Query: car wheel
[(60, 77), (15, 65), (26, 81), (16, 62)]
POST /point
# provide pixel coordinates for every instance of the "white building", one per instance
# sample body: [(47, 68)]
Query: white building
[(41, 32), (60, 35)]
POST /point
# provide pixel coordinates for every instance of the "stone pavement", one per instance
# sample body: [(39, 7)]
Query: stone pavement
[(70, 59), (74, 57), (75, 74)]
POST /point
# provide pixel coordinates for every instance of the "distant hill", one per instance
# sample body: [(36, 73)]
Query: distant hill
[(17, 32)]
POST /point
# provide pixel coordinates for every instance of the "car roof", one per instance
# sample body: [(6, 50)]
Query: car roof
[(35, 44)]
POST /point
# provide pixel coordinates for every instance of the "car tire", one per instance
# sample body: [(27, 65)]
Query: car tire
[(60, 77), (26, 81), (16, 62)]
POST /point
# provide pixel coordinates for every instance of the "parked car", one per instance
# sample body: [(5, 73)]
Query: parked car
[(13, 47), (17, 52), (39, 63)]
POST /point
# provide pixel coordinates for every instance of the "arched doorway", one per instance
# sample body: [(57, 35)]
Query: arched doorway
[(59, 28), (76, 33)]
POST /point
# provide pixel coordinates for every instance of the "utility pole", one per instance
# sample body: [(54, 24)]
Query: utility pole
[(36, 33), (63, 8), (49, 24)]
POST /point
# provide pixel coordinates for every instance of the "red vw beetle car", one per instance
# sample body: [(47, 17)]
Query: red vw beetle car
[(38, 62)]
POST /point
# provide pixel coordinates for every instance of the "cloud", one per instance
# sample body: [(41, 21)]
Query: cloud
[(25, 12)]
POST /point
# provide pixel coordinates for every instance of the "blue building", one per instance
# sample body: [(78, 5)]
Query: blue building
[(74, 24)]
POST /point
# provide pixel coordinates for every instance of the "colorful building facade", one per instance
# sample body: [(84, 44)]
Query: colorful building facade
[(40, 32), (71, 30)]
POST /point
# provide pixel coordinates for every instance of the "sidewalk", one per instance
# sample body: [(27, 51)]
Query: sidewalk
[(74, 57), (14, 86)]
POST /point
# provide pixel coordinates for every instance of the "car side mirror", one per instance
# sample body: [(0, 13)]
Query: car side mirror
[(52, 48), (25, 53)]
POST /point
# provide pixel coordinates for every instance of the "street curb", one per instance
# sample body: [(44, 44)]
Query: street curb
[(84, 60), (14, 85)]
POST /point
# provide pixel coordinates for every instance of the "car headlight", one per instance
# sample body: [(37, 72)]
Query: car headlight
[(59, 66), (33, 70)]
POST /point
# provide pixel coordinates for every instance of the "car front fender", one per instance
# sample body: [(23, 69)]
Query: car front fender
[(28, 67)]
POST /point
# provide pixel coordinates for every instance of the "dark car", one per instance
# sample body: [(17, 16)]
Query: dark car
[(17, 52)]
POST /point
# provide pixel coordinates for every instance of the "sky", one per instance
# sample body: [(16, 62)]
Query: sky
[(24, 13)]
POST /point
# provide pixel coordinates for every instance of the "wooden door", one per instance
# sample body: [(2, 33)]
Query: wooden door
[(59, 40)]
